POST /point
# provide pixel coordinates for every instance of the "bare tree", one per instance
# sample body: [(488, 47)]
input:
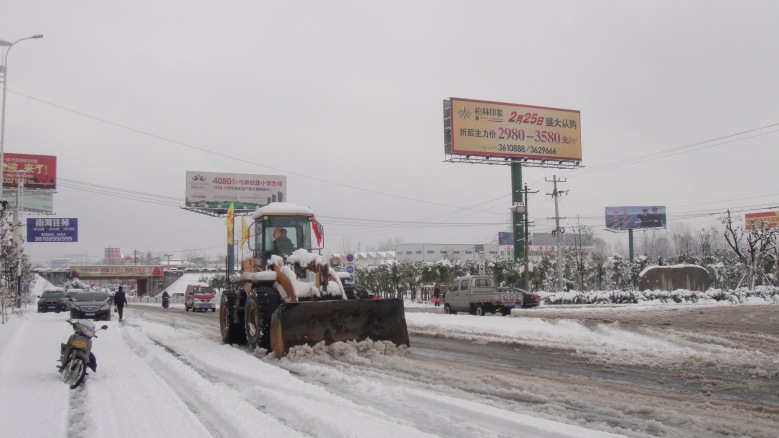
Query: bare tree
[(761, 241), (683, 240)]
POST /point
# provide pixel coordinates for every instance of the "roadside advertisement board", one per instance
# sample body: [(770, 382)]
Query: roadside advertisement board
[(109, 271), (623, 218), (48, 230), (112, 253), (41, 201), (482, 128), (505, 238), (770, 218), (30, 171), (213, 190)]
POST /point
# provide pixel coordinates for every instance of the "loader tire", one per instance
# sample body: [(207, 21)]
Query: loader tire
[(232, 331), (260, 305)]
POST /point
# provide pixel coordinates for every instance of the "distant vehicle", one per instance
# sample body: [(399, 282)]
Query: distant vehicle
[(477, 295), (91, 305), (357, 292), (199, 297), (529, 299), (53, 300)]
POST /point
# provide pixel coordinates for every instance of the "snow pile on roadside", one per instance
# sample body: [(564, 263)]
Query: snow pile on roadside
[(351, 351), (761, 294)]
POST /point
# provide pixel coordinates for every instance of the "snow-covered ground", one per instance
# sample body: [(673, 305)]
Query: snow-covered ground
[(169, 380)]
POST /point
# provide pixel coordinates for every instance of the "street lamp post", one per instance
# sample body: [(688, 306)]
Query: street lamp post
[(4, 78)]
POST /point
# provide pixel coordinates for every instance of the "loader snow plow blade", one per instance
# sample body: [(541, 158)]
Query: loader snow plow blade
[(308, 323)]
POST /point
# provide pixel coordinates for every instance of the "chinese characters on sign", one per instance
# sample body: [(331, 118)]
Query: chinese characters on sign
[(218, 190), (52, 230), (29, 171), (511, 130)]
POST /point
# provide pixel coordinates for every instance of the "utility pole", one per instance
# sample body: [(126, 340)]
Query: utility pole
[(526, 235), (558, 232), (135, 256)]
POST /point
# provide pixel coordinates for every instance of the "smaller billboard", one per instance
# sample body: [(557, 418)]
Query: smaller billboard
[(623, 218), (45, 230), (112, 253), (32, 200), (770, 218), (505, 238), (29, 171), (216, 191)]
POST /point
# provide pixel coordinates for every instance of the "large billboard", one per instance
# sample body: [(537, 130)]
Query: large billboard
[(39, 201), (623, 218), (50, 230), (30, 171), (496, 129), (770, 218), (216, 191)]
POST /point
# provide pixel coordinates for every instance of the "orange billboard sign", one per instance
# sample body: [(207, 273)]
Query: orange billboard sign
[(770, 218), (476, 127)]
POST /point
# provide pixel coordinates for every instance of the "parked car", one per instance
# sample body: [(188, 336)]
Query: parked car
[(199, 297), (529, 299), (53, 300), (91, 305)]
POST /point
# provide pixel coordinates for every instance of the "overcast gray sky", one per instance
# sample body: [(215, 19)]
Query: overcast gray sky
[(345, 99)]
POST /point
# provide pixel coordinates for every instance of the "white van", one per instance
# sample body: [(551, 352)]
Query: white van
[(199, 297)]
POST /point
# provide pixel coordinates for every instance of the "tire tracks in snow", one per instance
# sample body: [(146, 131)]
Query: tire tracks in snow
[(196, 389)]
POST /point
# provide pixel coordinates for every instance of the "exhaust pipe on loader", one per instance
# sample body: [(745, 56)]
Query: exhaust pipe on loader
[(310, 322)]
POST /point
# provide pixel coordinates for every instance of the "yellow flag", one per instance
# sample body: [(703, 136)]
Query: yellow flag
[(229, 222), (244, 232)]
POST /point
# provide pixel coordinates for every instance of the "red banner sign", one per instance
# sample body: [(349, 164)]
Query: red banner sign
[(29, 171)]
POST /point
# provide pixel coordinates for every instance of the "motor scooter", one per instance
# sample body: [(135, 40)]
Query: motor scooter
[(165, 302), (76, 355)]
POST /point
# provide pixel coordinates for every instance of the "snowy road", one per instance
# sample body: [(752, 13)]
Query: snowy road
[(573, 372)]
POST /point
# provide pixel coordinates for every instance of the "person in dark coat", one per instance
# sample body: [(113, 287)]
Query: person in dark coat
[(120, 300)]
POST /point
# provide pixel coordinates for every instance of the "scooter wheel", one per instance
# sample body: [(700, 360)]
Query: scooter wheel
[(73, 372)]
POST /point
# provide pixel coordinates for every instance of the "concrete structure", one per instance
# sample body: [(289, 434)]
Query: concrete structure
[(671, 278)]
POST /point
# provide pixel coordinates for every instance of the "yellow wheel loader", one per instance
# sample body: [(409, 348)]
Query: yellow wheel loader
[(287, 294)]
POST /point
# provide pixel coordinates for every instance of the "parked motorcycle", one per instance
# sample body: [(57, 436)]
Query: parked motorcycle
[(76, 355)]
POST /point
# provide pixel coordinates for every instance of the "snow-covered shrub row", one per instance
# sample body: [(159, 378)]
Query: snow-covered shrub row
[(682, 296)]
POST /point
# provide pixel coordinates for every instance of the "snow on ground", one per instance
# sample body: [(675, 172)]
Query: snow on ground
[(157, 380)]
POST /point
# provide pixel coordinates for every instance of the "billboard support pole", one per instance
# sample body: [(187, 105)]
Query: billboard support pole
[(630, 243), (517, 221)]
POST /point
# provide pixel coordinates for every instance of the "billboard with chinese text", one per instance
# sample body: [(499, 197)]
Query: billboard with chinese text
[(482, 128), (110, 271), (770, 218), (623, 218), (51, 230), (30, 171), (216, 191)]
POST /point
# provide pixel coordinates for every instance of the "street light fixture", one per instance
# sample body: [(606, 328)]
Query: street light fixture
[(4, 78)]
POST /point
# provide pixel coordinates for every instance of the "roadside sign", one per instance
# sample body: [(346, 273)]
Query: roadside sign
[(52, 230)]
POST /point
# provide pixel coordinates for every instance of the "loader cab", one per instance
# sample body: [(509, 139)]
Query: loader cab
[(282, 228)]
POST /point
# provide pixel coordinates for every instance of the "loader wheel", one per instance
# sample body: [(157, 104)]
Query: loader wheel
[(260, 305), (232, 332)]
